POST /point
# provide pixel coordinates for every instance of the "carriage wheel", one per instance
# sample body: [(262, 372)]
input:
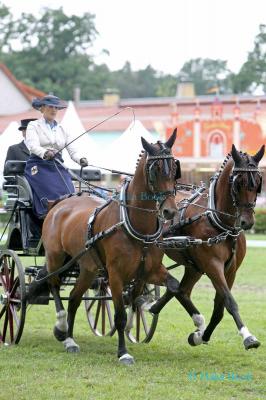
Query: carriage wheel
[(12, 298), (100, 312), (142, 321)]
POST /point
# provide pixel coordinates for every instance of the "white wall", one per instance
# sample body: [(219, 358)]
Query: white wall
[(12, 100)]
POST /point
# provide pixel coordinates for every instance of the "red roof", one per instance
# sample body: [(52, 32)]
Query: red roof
[(28, 91)]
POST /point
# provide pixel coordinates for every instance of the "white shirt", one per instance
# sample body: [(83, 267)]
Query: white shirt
[(40, 137)]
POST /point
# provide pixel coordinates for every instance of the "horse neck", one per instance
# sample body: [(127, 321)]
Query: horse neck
[(223, 197), (137, 196)]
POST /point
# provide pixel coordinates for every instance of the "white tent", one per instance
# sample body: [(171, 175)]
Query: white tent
[(122, 154), (86, 145), (11, 135)]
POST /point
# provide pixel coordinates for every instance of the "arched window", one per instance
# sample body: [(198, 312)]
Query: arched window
[(216, 145)]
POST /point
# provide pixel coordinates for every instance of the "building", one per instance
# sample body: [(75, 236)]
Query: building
[(207, 126)]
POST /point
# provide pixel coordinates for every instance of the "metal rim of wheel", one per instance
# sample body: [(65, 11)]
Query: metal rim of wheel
[(100, 312), (144, 323), (12, 298)]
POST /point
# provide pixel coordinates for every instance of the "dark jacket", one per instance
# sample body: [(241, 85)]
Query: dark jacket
[(18, 152)]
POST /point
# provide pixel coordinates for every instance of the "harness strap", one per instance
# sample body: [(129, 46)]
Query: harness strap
[(146, 239)]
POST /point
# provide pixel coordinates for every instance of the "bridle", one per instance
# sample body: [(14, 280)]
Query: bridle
[(251, 169), (151, 165), (251, 186)]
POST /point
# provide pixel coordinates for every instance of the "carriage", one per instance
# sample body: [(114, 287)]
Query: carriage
[(20, 264)]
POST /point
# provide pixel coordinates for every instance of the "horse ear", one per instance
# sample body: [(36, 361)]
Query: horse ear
[(258, 156), (235, 154), (147, 146), (171, 140)]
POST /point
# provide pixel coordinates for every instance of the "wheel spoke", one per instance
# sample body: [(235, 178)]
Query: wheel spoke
[(109, 313), (4, 284), (146, 328), (91, 305), (103, 316), (11, 325), (6, 270), (137, 325), (2, 311), (5, 325), (97, 314), (14, 313), (15, 286), (12, 273)]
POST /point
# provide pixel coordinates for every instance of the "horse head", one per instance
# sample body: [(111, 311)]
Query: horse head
[(161, 171), (246, 182)]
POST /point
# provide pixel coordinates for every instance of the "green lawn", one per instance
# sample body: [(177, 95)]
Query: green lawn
[(167, 368)]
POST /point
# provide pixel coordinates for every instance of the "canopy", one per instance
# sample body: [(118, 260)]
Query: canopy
[(122, 154), (86, 145)]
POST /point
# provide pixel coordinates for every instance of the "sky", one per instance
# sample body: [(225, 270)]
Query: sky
[(164, 33)]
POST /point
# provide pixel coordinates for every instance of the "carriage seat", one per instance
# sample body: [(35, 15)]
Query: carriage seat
[(16, 184)]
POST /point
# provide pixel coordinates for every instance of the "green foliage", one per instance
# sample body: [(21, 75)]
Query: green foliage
[(260, 221)]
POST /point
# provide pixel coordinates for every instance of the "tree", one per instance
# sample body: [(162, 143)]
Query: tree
[(253, 71), (53, 54), (6, 28), (205, 74)]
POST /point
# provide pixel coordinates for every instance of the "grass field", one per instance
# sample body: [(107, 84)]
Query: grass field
[(167, 368)]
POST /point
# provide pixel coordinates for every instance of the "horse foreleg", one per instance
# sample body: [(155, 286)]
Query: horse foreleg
[(224, 298), (120, 318)]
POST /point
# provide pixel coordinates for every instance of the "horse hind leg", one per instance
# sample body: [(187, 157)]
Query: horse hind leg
[(60, 327), (83, 282)]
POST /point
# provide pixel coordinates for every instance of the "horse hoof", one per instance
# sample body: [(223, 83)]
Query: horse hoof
[(190, 339), (251, 342), (126, 359), (195, 338), (152, 310), (71, 346), (73, 349), (59, 335)]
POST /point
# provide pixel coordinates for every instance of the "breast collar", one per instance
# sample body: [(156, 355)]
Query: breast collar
[(124, 217)]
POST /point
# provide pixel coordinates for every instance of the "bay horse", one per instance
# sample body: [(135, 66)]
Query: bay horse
[(129, 253), (229, 209)]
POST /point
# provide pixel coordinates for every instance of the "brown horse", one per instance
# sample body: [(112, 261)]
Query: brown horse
[(129, 253), (230, 209)]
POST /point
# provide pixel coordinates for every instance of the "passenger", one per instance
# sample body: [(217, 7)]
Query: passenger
[(20, 150), (45, 139)]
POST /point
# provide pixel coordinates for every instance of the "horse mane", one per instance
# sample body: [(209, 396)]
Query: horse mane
[(140, 157), (229, 157)]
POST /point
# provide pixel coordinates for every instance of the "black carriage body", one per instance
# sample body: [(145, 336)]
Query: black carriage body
[(24, 230)]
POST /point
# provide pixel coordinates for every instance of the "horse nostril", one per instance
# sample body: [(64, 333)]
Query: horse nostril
[(168, 213)]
